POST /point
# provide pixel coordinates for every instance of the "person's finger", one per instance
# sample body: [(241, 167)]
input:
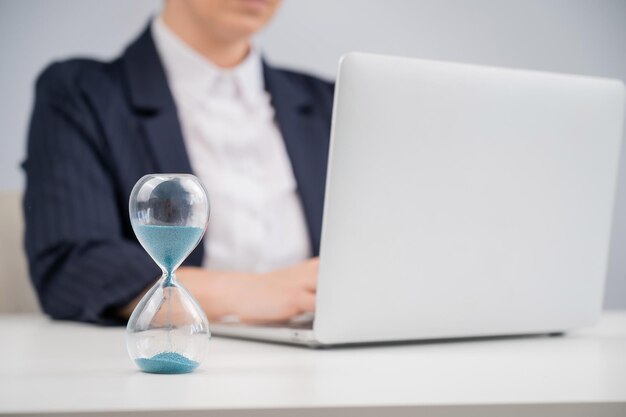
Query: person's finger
[(309, 276), (307, 301)]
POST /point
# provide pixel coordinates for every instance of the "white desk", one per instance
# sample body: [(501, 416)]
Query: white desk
[(54, 367)]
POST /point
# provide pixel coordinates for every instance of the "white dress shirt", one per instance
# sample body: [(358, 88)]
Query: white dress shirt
[(257, 222)]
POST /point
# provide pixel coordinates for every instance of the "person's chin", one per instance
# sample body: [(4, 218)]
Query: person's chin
[(255, 6), (245, 26), (260, 10)]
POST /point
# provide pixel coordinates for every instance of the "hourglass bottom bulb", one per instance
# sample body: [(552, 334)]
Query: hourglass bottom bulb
[(167, 363)]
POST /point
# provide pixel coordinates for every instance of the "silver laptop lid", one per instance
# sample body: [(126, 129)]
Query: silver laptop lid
[(465, 200)]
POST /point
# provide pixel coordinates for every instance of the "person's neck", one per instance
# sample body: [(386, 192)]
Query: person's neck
[(223, 53)]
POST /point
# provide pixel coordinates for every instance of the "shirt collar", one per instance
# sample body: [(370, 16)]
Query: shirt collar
[(189, 71)]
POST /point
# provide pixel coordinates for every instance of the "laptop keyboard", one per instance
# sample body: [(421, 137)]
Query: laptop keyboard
[(303, 325), (301, 322)]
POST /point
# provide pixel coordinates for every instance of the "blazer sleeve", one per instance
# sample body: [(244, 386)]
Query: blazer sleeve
[(81, 265)]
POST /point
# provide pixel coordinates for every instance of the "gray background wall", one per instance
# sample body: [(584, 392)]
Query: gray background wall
[(575, 36)]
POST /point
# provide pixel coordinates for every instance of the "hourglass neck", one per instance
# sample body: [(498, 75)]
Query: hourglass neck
[(169, 277)]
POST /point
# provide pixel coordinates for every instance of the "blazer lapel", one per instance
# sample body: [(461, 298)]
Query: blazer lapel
[(163, 134), (305, 132), (154, 105)]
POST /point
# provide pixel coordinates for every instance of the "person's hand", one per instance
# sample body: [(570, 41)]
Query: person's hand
[(255, 298), (278, 295)]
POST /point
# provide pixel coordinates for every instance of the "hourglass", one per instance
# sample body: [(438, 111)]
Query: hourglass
[(168, 332)]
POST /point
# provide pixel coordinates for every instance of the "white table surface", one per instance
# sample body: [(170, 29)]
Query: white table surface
[(59, 367)]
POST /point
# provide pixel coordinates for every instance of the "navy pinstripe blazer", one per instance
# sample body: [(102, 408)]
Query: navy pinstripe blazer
[(96, 128)]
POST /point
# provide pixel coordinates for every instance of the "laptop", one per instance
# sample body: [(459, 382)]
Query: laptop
[(461, 201)]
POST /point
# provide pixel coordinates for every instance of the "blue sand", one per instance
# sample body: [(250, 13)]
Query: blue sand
[(168, 245), (167, 363)]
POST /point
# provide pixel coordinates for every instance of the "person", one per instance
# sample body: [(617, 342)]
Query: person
[(190, 95)]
